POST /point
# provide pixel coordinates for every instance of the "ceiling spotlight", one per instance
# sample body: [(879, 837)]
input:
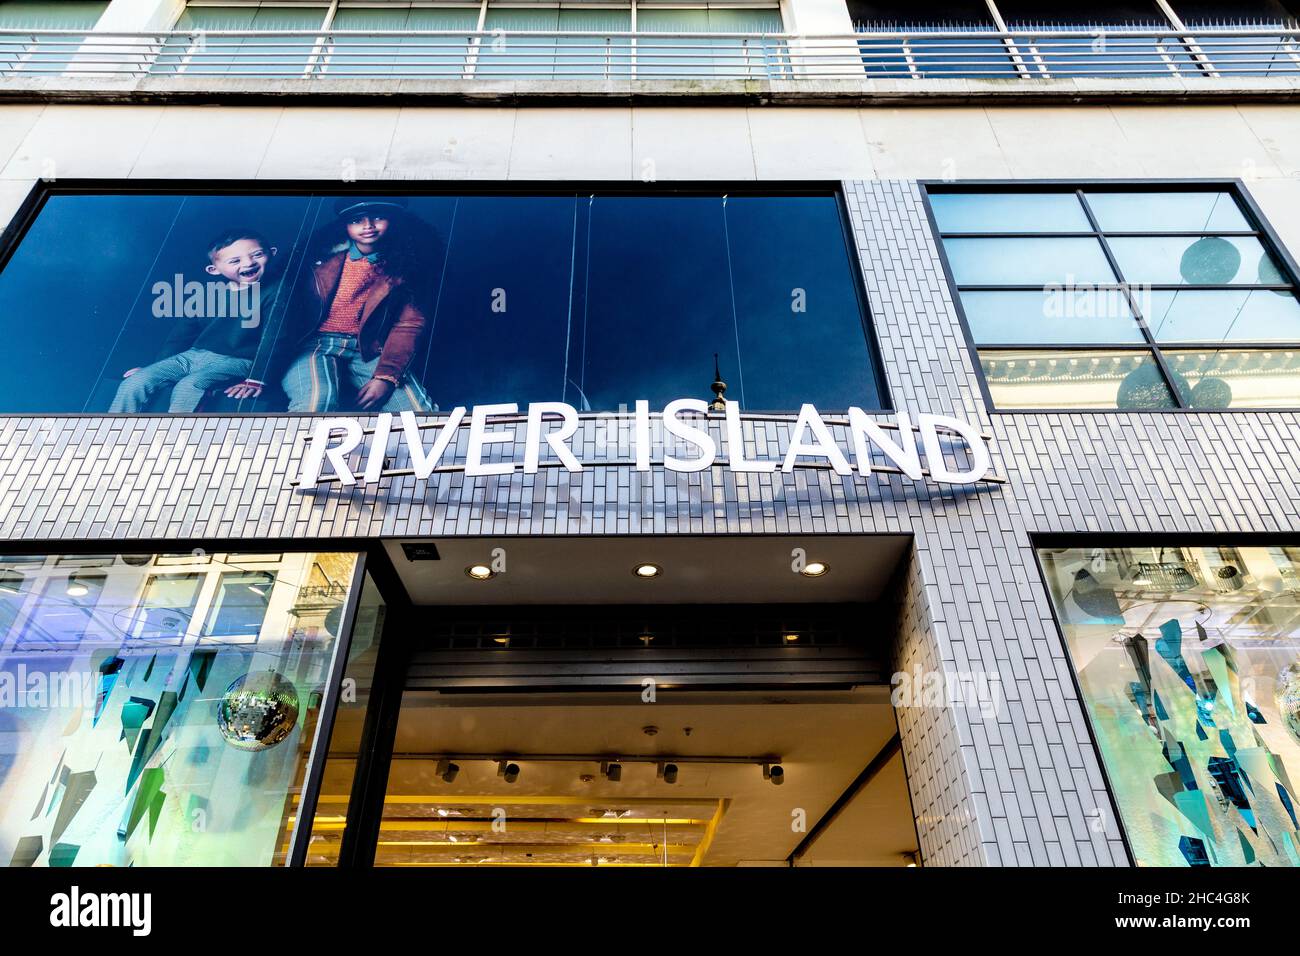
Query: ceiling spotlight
[(447, 770), (480, 572), (76, 587), (613, 771), (647, 570), (815, 569), (774, 772), (502, 639), (669, 772), (508, 770), (790, 638)]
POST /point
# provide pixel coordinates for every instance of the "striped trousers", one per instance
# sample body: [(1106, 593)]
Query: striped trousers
[(328, 373)]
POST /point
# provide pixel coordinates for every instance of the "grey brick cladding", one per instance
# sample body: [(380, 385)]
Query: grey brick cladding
[(1023, 786)]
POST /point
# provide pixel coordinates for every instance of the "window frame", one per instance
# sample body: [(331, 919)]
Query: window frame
[(12, 235), (1236, 188)]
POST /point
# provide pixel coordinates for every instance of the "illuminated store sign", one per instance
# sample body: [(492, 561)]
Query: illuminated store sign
[(553, 424)]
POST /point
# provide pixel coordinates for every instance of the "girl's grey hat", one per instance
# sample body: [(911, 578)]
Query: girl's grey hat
[(350, 206)]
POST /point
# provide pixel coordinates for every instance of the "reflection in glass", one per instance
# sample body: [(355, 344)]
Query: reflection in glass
[(1008, 212), (1223, 315), (1237, 378), (1027, 261), (597, 300), (113, 750), (1056, 315), (1192, 211), (1209, 260), (1126, 380), (1187, 662), (345, 738)]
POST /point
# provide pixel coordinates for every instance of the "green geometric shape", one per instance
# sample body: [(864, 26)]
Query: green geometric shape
[(62, 854), (149, 794)]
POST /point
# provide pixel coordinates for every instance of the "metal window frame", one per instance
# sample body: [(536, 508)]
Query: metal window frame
[(1236, 188)]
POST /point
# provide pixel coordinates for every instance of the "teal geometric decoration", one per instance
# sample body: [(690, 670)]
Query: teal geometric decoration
[(134, 713), (62, 854)]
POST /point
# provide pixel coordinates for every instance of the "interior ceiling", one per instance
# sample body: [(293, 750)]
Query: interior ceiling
[(567, 813), (715, 569)]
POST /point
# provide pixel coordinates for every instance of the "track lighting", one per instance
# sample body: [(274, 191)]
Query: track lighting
[(447, 770), (774, 772), (668, 771), (612, 770), (510, 771)]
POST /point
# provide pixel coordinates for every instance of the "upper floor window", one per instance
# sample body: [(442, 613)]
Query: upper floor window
[(151, 302), (1124, 297), (503, 39)]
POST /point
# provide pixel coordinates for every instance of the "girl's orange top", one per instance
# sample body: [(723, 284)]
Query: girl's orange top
[(359, 276)]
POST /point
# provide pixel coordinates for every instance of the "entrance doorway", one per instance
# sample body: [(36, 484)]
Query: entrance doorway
[(677, 731)]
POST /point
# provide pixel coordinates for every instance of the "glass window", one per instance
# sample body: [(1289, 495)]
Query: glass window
[(1009, 212), (1085, 379), (1224, 315), (1185, 658), (1209, 260), (1167, 212), (166, 608), (1056, 315), (1027, 261), (240, 605), (1237, 378), (212, 303), (46, 55), (1191, 277), (216, 55), (182, 752), (413, 56)]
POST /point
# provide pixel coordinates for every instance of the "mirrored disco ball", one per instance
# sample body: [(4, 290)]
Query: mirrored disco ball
[(1287, 698), (258, 711)]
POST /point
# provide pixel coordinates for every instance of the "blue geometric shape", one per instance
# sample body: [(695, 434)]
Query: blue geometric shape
[(1193, 851)]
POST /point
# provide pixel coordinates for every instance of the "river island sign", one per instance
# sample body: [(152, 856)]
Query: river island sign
[(811, 444)]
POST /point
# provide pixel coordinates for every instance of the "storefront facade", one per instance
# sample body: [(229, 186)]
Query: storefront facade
[(1116, 576)]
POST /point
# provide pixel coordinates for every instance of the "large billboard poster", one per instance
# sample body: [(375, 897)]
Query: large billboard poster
[(154, 302)]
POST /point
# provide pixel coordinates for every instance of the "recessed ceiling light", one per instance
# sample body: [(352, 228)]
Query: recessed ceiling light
[(480, 572), (77, 590), (791, 638), (647, 570), (503, 639), (815, 569)]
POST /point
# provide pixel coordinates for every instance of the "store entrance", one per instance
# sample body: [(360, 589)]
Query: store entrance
[(679, 732)]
